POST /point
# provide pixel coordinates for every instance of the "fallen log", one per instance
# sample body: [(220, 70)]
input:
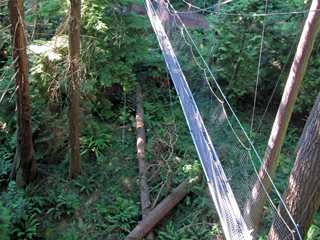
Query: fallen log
[(162, 209), (141, 139)]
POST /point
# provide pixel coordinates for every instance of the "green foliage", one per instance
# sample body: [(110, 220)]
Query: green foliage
[(87, 184), (75, 232), (5, 38), (27, 228), (23, 206), (193, 170), (53, 11), (120, 42), (236, 47), (310, 84), (65, 204), (190, 231), (172, 233), (121, 214), (69, 201), (50, 14), (5, 168), (7, 103), (4, 222), (98, 143), (313, 233), (118, 49)]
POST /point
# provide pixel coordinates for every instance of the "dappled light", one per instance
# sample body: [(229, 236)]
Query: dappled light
[(150, 119)]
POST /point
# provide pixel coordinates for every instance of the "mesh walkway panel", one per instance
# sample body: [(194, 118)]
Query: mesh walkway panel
[(232, 222)]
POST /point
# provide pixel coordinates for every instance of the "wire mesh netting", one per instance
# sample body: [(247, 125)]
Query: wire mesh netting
[(229, 160)]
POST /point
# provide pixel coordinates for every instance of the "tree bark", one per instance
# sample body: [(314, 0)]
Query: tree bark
[(162, 209), (303, 134), (74, 82), (24, 166), (259, 196), (141, 139), (302, 194)]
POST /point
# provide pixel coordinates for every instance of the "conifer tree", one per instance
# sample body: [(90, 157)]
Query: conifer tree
[(74, 88), (24, 166)]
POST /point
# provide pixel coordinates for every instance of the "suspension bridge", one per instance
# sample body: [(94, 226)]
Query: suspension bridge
[(234, 225)]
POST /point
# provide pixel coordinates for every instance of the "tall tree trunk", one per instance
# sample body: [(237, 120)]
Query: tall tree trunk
[(302, 194), (141, 139), (256, 203), (74, 82), (303, 134), (24, 166)]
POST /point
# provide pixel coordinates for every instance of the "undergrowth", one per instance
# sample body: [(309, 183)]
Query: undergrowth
[(104, 203)]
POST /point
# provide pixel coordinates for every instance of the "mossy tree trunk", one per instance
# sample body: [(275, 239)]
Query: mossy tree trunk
[(74, 88), (255, 205), (24, 166)]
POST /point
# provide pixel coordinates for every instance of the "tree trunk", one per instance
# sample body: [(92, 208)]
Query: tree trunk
[(161, 210), (36, 26), (141, 139), (74, 82), (303, 134), (302, 194), (24, 166), (259, 196)]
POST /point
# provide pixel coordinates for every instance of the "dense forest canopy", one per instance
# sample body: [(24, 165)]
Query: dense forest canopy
[(117, 51)]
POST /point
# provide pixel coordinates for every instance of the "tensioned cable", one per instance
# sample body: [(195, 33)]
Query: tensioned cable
[(257, 155), (269, 14), (258, 73), (124, 120), (243, 132), (238, 121), (208, 9), (174, 122), (284, 66), (204, 70), (204, 9), (218, 86), (238, 61), (216, 178), (268, 196), (305, 209)]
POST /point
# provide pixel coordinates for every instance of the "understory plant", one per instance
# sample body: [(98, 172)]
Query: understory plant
[(23, 207)]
